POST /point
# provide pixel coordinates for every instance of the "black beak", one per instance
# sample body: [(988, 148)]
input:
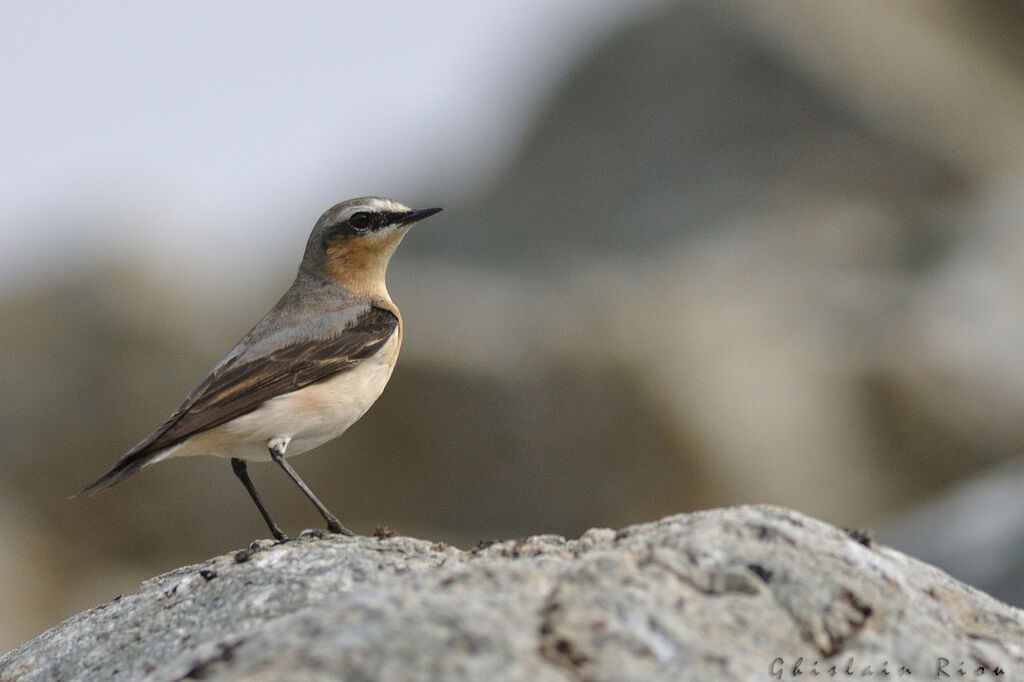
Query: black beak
[(418, 215)]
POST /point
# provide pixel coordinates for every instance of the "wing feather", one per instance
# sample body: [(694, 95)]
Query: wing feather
[(242, 383)]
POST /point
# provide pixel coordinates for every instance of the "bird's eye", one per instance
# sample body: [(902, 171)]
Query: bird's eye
[(360, 221)]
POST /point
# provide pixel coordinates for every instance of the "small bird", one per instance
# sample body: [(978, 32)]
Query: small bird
[(309, 369)]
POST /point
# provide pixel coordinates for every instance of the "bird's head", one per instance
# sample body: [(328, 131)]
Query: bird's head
[(353, 241)]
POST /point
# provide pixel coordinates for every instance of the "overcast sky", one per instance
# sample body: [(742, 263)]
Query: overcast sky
[(191, 128)]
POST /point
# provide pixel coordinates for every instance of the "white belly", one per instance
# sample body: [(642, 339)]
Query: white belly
[(307, 417)]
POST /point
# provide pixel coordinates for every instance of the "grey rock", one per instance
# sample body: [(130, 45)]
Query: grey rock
[(729, 594)]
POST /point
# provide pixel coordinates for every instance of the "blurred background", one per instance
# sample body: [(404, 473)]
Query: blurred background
[(693, 254)]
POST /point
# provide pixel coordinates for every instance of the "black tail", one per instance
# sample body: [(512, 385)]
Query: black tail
[(128, 465)]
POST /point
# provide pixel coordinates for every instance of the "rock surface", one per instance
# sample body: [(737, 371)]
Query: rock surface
[(730, 594)]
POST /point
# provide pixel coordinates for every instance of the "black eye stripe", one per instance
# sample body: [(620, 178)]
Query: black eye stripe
[(375, 220), (364, 222)]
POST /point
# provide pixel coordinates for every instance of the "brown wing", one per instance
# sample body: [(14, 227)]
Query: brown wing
[(240, 386)]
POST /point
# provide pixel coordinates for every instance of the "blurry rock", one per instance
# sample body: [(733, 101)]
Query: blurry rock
[(772, 214), (916, 70), (975, 531), (695, 206), (677, 126), (728, 594), (953, 394), (23, 589)]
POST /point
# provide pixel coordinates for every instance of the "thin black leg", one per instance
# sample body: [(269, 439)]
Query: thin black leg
[(333, 524), (238, 466)]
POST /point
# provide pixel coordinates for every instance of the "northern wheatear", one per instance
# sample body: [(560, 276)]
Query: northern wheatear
[(309, 369)]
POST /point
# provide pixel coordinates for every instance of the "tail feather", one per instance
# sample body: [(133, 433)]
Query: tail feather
[(128, 465)]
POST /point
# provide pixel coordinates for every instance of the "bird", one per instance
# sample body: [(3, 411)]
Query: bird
[(308, 370)]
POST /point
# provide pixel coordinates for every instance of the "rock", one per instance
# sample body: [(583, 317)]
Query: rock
[(729, 594)]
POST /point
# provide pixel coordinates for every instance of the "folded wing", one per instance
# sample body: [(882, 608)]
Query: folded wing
[(243, 382)]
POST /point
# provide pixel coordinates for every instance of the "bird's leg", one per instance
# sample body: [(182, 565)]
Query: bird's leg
[(238, 466), (277, 447)]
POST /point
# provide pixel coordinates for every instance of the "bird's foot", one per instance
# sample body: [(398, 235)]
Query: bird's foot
[(334, 526), (254, 547)]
